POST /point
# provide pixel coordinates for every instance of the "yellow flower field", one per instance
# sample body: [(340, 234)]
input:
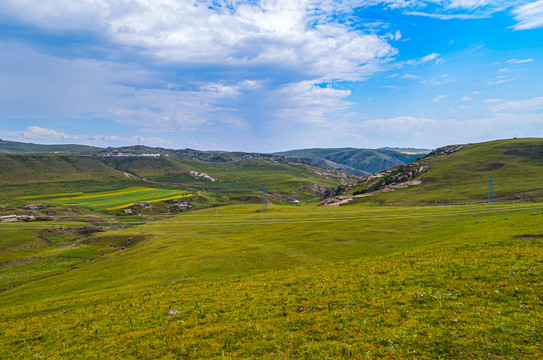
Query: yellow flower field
[(112, 200)]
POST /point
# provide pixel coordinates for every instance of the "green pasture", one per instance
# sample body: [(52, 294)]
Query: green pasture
[(110, 200), (293, 282)]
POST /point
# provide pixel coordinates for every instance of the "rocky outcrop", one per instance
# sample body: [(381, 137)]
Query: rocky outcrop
[(196, 175), (16, 218)]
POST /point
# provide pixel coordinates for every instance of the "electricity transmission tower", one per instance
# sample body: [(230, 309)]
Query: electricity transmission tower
[(491, 200), (264, 202), (91, 139), (139, 141)]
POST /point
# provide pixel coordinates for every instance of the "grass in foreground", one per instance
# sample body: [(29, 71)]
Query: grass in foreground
[(453, 282)]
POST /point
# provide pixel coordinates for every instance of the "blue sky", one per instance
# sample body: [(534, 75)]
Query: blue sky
[(270, 75)]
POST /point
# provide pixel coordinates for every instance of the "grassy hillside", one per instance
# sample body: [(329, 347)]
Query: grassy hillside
[(356, 161), (22, 147), (293, 282), (462, 177), (33, 168), (234, 182)]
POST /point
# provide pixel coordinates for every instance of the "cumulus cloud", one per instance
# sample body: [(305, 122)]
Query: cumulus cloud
[(36, 132), (307, 102), (291, 33)]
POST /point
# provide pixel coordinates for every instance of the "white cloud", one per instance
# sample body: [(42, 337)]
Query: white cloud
[(520, 106), (445, 16), (51, 136), (86, 89), (516, 61), (309, 103), (438, 98), (467, 98), (469, 4), (424, 59), (440, 80), (500, 80), (431, 132), (461, 9), (529, 16), (224, 32), (36, 132), (410, 76)]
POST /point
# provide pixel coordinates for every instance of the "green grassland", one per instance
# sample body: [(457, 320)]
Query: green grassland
[(515, 164), (357, 281), (435, 282)]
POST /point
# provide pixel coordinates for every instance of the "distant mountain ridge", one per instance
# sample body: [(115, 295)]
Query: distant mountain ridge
[(360, 162)]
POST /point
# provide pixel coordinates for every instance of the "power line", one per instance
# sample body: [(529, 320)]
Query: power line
[(490, 199), (264, 202)]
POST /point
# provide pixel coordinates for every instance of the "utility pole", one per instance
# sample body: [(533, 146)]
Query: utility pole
[(491, 200), (264, 202)]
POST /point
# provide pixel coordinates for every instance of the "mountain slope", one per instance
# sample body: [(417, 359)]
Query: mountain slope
[(21, 147), (356, 161), (460, 174)]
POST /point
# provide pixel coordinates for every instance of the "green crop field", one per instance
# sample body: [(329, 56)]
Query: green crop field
[(110, 200), (294, 282)]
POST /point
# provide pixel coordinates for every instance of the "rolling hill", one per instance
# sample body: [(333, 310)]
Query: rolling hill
[(460, 174), (241, 179)]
